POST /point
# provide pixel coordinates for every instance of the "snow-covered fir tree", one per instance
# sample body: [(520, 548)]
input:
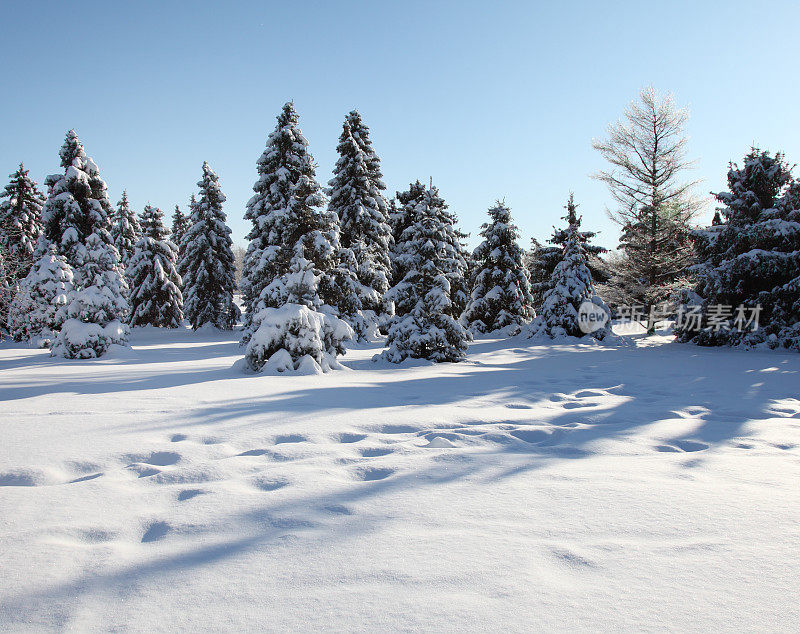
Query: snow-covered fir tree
[(125, 229), (501, 294), (356, 197), (155, 294), (20, 220), (181, 223), (179, 242), (96, 312), (77, 204), (569, 287), (401, 216), (290, 225), (425, 326), (208, 264), (542, 260), (427, 203), (751, 259), (39, 307), (297, 336)]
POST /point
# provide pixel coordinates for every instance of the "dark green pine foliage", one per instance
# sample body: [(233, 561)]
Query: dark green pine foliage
[(77, 205), (356, 197), (125, 229), (209, 280), (543, 259), (424, 327), (290, 225), (501, 294), (20, 220), (753, 257), (155, 294)]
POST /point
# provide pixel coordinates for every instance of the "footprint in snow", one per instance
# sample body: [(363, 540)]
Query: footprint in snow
[(374, 452), (287, 438), (369, 474), (269, 484), (155, 532), (679, 446), (156, 458), (588, 394), (188, 494), (177, 437), (348, 438)]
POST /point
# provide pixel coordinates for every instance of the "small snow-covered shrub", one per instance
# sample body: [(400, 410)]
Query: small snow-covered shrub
[(293, 337), (92, 326)]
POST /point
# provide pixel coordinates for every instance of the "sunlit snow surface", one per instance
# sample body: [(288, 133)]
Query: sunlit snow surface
[(647, 487)]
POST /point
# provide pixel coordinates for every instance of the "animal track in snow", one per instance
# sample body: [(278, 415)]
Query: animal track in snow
[(576, 405), (588, 394), (253, 452), (177, 437)]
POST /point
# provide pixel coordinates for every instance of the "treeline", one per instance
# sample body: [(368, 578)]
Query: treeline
[(326, 265)]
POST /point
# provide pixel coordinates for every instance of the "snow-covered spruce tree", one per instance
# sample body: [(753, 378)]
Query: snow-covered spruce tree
[(289, 225), (20, 219), (753, 258), (40, 306), (401, 216), (428, 204), (20, 228), (179, 241), (570, 286), (208, 264), (125, 229), (181, 223), (357, 200), (297, 336), (96, 311), (77, 204), (425, 326), (155, 295), (543, 259), (501, 294)]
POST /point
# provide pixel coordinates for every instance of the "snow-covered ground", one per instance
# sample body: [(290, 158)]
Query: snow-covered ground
[(647, 487)]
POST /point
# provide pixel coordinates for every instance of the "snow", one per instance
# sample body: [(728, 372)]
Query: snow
[(568, 485)]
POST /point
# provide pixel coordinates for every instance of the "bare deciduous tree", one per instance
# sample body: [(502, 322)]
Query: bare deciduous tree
[(647, 153)]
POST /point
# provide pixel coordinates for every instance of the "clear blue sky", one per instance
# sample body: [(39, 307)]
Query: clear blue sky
[(492, 100)]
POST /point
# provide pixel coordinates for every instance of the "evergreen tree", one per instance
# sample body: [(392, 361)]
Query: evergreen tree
[(179, 242), (20, 220), (155, 297), (208, 264), (357, 200), (501, 293), (39, 307), (125, 229), (181, 223), (570, 286), (543, 259), (401, 217), (77, 204), (289, 226), (424, 326), (297, 336), (752, 259), (96, 311), (415, 206)]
